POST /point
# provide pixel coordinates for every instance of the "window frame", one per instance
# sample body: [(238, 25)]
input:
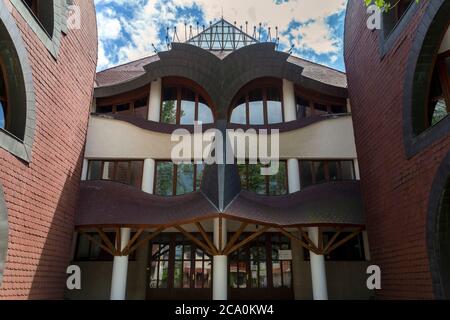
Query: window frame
[(326, 164), (129, 98), (115, 162), (179, 84), (319, 99), (266, 178), (4, 99), (175, 177), (263, 84)]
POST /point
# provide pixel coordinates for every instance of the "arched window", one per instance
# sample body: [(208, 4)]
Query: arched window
[(184, 103), (438, 104), (3, 100), (259, 103), (42, 10)]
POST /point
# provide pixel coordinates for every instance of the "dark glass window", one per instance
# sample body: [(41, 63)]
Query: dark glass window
[(128, 172), (252, 180), (43, 11), (392, 17), (263, 263), (178, 263), (258, 106), (315, 172), (184, 106), (137, 107), (307, 108), (171, 179), (3, 100), (439, 98)]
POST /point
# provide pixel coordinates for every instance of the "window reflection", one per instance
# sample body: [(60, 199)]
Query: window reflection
[(184, 106), (128, 172), (171, 179), (315, 172), (260, 106), (252, 180), (3, 101), (308, 108)]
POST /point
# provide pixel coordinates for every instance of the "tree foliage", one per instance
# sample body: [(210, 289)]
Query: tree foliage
[(385, 5)]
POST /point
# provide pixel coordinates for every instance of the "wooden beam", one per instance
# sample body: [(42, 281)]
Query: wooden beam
[(101, 245), (132, 241), (106, 240), (195, 240), (303, 244), (343, 241), (143, 241), (207, 239), (311, 245), (333, 240), (244, 242), (235, 237)]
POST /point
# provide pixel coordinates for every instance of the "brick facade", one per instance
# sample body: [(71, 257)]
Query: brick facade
[(41, 195), (396, 188)]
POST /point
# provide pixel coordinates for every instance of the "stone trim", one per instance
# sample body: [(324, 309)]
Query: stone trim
[(20, 148), (387, 43), (414, 142), (52, 43), (3, 234), (433, 234)]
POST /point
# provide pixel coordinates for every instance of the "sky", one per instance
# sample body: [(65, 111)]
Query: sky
[(128, 29)]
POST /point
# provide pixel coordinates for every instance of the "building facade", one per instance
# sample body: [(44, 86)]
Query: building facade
[(150, 228), (45, 92), (399, 90)]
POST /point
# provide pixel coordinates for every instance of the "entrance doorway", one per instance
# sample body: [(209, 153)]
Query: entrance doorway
[(178, 270)]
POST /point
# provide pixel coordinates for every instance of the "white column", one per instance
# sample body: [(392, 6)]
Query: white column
[(290, 109), (357, 172), (120, 269), (84, 170), (318, 272), (293, 175), (148, 177), (220, 263), (154, 101), (105, 173)]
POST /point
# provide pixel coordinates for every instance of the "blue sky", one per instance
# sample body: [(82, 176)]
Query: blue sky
[(128, 28)]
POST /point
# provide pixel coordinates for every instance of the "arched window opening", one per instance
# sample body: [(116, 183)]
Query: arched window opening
[(43, 11), (259, 103), (184, 103), (395, 15), (439, 92), (3, 100)]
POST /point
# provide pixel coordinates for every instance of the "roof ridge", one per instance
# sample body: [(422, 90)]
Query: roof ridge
[(127, 63)]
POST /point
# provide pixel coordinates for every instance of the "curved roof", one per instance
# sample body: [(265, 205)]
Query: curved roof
[(105, 203), (328, 203)]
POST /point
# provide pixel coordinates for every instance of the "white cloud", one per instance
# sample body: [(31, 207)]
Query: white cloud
[(313, 33)]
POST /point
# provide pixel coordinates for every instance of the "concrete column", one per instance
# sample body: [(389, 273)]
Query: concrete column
[(220, 263), (154, 101), (366, 246), (84, 170), (105, 173), (357, 172), (293, 175), (318, 272), (290, 109), (148, 177), (120, 269)]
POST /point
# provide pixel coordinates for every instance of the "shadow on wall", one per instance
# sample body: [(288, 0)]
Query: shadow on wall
[(49, 280)]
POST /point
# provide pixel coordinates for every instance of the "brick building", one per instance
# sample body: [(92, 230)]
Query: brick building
[(46, 84), (400, 95)]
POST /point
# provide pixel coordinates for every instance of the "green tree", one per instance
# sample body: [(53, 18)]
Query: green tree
[(385, 5)]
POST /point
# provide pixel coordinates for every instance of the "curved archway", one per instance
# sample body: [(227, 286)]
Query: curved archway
[(3, 234), (20, 90), (420, 69), (438, 233)]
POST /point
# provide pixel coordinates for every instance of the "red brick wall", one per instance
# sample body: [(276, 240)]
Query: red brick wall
[(395, 189), (41, 196)]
